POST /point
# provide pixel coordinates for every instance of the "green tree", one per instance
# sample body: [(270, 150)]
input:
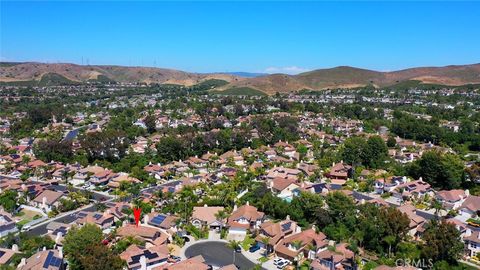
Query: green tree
[(444, 171), (234, 245), (150, 123), (82, 246), (375, 152), (442, 242), (353, 150), (8, 200)]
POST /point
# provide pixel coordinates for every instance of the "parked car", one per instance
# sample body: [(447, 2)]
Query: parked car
[(254, 248), (25, 228), (238, 249), (282, 264)]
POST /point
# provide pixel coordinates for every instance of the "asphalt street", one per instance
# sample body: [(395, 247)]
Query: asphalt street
[(218, 254)]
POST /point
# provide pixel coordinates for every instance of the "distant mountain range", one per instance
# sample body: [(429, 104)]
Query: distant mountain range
[(338, 77), (247, 74)]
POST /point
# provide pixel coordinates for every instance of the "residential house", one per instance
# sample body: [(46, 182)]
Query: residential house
[(57, 231), (243, 218), (416, 221), (472, 243), (193, 263), (140, 258), (416, 189), (47, 200), (338, 257), (284, 188), (149, 234), (452, 199), (274, 232), (102, 220), (301, 245), (159, 220), (206, 216), (340, 171), (155, 170), (282, 172), (6, 255), (45, 259), (7, 224), (470, 207), (388, 184)]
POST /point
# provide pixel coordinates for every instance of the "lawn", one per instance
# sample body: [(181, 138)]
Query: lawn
[(247, 242), (27, 216)]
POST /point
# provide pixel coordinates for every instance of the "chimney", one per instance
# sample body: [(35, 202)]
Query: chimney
[(468, 232), (60, 252), (235, 208), (248, 203), (15, 248), (22, 263), (143, 263), (57, 238), (467, 193), (288, 217), (145, 219)]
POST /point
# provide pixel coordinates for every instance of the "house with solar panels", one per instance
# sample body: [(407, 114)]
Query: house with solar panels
[(6, 255), (7, 224), (145, 259), (275, 232), (57, 231), (160, 220), (45, 259), (102, 220)]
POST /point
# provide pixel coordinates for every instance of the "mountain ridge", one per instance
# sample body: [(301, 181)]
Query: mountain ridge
[(319, 79)]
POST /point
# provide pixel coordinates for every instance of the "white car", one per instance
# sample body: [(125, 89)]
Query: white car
[(277, 261), (26, 228)]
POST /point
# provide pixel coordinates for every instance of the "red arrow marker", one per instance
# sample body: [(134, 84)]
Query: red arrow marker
[(136, 213)]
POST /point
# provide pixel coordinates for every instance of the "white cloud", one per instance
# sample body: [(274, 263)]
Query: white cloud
[(287, 70)]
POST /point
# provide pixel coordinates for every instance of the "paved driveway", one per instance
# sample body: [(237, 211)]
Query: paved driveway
[(218, 254)]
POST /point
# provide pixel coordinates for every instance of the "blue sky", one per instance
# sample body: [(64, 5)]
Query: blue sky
[(242, 36)]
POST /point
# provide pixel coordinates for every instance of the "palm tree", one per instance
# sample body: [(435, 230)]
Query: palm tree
[(437, 206), (390, 240), (297, 244), (266, 242), (233, 245), (311, 247), (221, 216)]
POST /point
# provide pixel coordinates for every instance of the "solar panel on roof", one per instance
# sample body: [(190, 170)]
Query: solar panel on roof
[(150, 255), (63, 230), (48, 259), (158, 219), (2, 253), (57, 262), (286, 226), (97, 216)]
